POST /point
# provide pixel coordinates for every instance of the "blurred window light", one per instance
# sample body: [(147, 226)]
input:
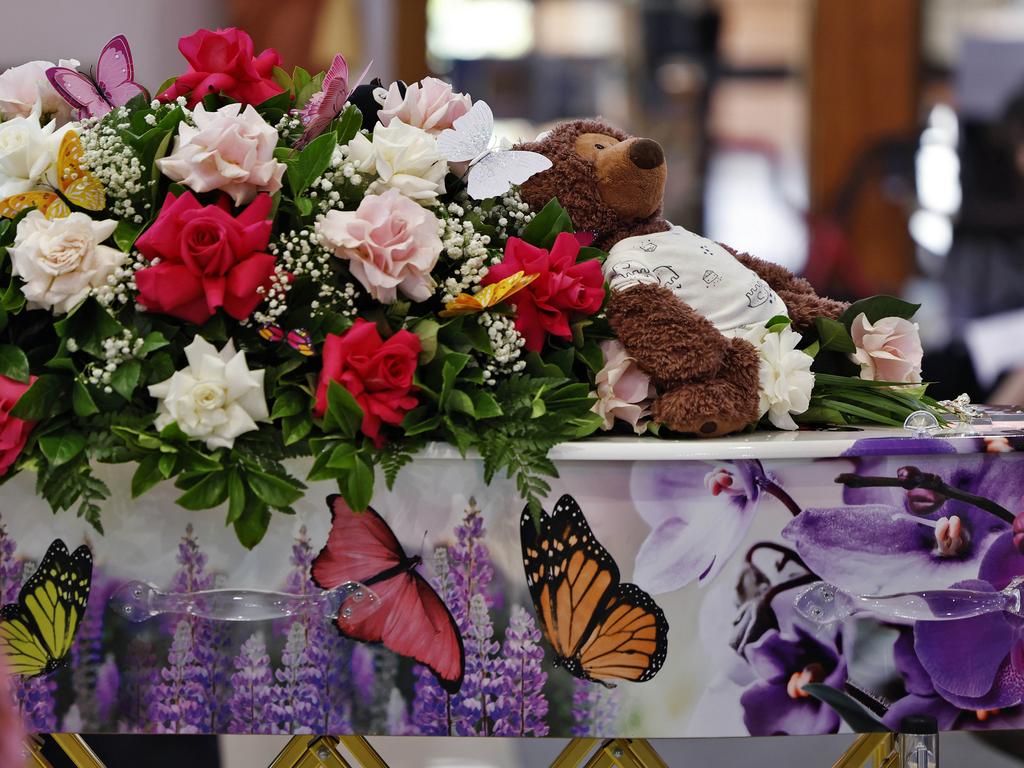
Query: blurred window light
[(480, 29), (939, 194), (932, 231), (581, 28), (938, 179)]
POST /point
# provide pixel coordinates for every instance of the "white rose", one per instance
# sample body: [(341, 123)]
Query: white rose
[(786, 380), (62, 260), (403, 158), (231, 149), (28, 153), (25, 86), (214, 398)]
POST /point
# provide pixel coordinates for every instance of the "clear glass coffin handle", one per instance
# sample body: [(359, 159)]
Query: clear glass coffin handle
[(825, 604), (138, 601)]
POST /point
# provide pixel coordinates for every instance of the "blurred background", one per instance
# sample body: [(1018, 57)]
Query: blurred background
[(876, 146)]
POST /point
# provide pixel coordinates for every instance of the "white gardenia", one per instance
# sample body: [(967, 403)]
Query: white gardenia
[(28, 153), (25, 86), (786, 380), (404, 158), (214, 398), (61, 261)]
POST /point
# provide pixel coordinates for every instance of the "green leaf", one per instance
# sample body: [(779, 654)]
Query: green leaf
[(295, 428), (209, 492), (282, 78), (360, 485), (484, 405), (13, 363), (312, 161), (152, 341), (273, 490), (236, 496), (147, 474), (127, 232), (289, 402), (879, 307), (47, 397), (461, 402), (62, 447), (834, 336), (343, 412), (426, 330), (252, 526), (419, 420), (89, 324), (343, 456), (454, 362), (347, 124), (126, 378), (855, 714), (82, 402), (547, 225)]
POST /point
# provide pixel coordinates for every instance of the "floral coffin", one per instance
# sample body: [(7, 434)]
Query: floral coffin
[(723, 537)]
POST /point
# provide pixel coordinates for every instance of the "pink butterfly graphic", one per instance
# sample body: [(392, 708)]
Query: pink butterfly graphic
[(113, 86), (325, 105)]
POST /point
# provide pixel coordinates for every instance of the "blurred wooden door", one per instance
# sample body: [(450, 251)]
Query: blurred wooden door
[(863, 80)]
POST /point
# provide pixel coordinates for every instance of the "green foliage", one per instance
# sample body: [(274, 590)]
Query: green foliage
[(547, 225)]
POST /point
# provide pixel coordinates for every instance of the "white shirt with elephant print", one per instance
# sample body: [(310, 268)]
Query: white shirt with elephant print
[(701, 273)]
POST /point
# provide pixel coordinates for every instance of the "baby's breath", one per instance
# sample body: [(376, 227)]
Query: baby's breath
[(117, 350), (116, 165), (507, 344)]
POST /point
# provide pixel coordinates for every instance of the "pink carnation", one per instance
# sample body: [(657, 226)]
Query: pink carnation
[(429, 104), (623, 391), (390, 242), (888, 350)]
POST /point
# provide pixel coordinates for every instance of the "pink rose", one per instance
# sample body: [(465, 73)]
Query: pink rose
[(208, 259), (888, 350), (223, 61), (623, 390), (12, 730), (429, 104), (231, 149), (390, 242), (14, 432)]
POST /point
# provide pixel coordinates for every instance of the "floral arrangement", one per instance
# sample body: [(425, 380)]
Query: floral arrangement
[(250, 268)]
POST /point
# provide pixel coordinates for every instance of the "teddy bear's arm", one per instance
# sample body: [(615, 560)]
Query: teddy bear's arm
[(669, 340), (802, 303)]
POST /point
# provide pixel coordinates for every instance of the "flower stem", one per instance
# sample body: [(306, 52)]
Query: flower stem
[(928, 481), (788, 555), (770, 486)]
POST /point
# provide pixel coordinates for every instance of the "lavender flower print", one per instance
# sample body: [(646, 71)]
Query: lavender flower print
[(253, 695), (474, 708), (521, 706), (298, 707), (595, 709), (698, 516), (776, 703), (179, 703)]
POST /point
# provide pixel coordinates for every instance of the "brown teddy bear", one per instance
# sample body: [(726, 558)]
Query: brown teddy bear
[(679, 303)]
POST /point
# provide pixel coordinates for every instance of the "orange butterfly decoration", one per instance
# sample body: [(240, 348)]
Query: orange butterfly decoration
[(488, 296), (75, 185), (599, 628)]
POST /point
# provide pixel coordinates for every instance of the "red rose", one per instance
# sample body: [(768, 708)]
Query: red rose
[(563, 289), (13, 431), (208, 259), (378, 374), (222, 61)]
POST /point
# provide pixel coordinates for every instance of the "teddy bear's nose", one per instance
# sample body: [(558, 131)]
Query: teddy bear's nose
[(646, 154)]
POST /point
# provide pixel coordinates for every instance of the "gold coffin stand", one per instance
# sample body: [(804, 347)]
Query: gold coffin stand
[(873, 750)]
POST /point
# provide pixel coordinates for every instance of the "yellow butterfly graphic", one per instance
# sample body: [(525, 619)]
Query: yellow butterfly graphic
[(488, 296), (75, 185)]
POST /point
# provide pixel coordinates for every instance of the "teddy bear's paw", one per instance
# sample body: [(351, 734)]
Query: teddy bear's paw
[(706, 409)]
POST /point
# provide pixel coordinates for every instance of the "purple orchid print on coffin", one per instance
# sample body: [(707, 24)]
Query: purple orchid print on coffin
[(784, 662), (698, 514)]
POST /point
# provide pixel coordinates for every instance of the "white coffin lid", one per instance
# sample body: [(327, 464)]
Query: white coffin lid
[(804, 444)]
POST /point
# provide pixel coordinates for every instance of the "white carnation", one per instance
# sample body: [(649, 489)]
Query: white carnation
[(214, 398), (786, 380), (61, 261), (404, 158)]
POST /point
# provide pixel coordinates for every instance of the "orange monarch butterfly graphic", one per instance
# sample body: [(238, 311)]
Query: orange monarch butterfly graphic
[(75, 185), (599, 628), (488, 296)]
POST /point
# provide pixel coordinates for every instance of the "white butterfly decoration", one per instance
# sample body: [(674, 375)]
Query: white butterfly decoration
[(492, 169)]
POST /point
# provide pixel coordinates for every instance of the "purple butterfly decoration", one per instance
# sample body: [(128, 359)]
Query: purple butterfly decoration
[(324, 105), (114, 85)]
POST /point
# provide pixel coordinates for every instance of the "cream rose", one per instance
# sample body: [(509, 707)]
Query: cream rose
[(60, 261), (215, 398), (25, 86), (623, 390), (403, 158), (889, 350), (785, 377), (28, 153), (231, 150), (430, 104), (390, 242)]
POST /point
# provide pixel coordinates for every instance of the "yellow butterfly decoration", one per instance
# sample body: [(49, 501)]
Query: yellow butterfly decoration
[(488, 296), (75, 185)]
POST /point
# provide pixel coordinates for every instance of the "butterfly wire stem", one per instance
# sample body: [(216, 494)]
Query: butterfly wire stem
[(826, 604), (138, 601)]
